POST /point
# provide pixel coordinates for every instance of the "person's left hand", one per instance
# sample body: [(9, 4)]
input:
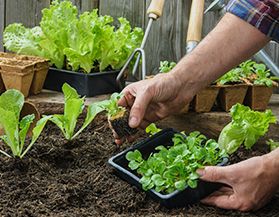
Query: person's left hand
[(249, 185)]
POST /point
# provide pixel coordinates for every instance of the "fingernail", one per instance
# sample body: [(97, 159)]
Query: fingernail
[(201, 172), (133, 122)]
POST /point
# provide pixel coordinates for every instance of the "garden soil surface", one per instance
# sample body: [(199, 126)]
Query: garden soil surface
[(60, 178)]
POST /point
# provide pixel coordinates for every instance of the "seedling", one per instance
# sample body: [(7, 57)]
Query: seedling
[(272, 144), (73, 107), (15, 130), (174, 168), (152, 129), (249, 72), (166, 66), (246, 127), (118, 116)]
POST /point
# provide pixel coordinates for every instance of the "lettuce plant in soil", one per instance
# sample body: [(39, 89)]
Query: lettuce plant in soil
[(246, 127), (73, 107), (118, 116), (87, 42), (15, 130), (174, 168)]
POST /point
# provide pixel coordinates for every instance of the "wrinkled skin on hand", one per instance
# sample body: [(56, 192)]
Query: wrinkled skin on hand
[(249, 184), (154, 99)]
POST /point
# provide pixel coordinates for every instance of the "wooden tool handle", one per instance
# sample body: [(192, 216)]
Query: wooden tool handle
[(195, 21), (155, 9)]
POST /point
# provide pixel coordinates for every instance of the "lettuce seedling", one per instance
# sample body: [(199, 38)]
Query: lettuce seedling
[(73, 107), (174, 168), (118, 116), (272, 144), (166, 66), (152, 129), (263, 76), (15, 130), (246, 127)]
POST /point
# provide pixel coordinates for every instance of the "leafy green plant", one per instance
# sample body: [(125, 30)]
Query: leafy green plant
[(15, 130), (73, 107), (111, 105), (272, 144), (152, 129), (166, 66), (246, 127), (174, 168), (263, 76), (87, 43), (248, 72)]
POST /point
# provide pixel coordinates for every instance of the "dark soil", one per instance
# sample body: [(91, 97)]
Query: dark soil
[(60, 178)]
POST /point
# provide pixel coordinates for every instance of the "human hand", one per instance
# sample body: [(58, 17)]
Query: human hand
[(154, 99), (249, 184)]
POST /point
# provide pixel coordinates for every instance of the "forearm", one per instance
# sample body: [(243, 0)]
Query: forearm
[(228, 44)]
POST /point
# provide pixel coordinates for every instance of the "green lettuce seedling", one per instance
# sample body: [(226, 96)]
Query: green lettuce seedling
[(15, 130), (166, 66), (272, 144), (152, 129), (118, 116), (174, 168), (246, 127), (73, 107)]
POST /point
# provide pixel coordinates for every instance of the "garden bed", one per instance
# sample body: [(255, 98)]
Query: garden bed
[(57, 178)]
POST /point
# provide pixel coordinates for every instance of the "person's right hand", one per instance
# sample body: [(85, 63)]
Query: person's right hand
[(154, 99)]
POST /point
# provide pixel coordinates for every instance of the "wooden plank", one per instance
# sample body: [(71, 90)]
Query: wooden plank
[(26, 12), (133, 10), (167, 38), (89, 5), (2, 22)]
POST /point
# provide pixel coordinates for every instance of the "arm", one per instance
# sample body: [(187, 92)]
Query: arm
[(232, 41), (250, 183)]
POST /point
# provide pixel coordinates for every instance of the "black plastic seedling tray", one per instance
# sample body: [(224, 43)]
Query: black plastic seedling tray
[(174, 199), (86, 84)]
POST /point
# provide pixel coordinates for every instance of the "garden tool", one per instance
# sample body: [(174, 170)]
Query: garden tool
[(27, 109), (194, 33), (261, 56), (154, 12)]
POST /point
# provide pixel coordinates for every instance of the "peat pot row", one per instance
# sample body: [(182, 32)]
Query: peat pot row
[(24, 73)]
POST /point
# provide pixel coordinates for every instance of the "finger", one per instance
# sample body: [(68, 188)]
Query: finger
[(138, 109), (222, 201), (127, 100), (222, 191), (214, 174)]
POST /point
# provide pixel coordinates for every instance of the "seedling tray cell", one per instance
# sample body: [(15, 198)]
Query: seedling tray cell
[(174, 199)]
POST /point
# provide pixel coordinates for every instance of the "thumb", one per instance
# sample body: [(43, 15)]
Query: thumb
[(213, 174), (138, 109)]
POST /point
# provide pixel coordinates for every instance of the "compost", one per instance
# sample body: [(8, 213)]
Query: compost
[(60, 178)]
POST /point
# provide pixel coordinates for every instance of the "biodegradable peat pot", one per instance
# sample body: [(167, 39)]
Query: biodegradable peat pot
[(258, 96), (205, 99), (229, 95), (185, 109), (174, 199), (41, 67), (17, 74), (86, 84)]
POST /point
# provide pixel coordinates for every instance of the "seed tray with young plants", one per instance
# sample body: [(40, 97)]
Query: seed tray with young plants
[(65, 172)]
